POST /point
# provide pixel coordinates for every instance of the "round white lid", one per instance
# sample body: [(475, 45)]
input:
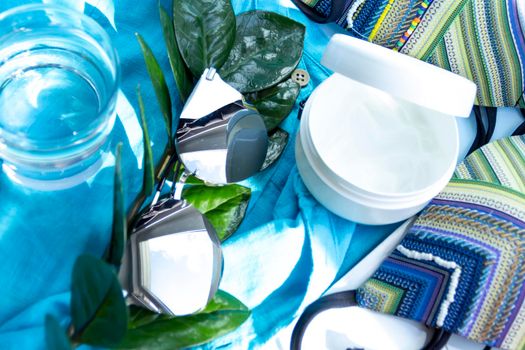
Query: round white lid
[(400, 75)]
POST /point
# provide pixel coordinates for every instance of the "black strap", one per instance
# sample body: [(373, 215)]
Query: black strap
[(480, 131), (346, 299), (338, 6), (301, 108), (483, 135), (521, 129), (337, 300), (438, 341), (492, 113)]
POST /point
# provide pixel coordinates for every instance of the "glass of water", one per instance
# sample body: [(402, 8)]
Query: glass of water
[(59, 78)]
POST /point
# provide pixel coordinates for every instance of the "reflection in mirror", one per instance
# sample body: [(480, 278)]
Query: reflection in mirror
[(220, 139), (226, 146), (208, 165), (177, 269), (173, 262)]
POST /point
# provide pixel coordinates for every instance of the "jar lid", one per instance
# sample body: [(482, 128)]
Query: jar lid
[(400, 75)]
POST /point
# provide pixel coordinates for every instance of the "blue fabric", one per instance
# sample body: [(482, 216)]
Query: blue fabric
[(288, 251)]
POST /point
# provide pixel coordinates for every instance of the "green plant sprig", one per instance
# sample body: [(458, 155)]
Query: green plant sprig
[(99, 314)]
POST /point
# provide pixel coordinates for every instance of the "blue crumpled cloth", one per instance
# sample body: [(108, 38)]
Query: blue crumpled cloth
[(288, 251)]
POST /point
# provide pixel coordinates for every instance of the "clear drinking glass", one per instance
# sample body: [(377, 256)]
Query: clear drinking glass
[(59, 78)]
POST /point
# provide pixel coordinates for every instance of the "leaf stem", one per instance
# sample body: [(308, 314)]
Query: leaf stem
[(141, 197)]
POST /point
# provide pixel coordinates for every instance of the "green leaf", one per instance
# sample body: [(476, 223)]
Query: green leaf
[(205, 32), (149, 164), (275, 103), (115, 251), (98, 310), (56, 338), (267, 49), (223, 301), (276, 145), (139, 316), (159, 84), (192, 180), (180, 71), (223, 206), (223, 315)]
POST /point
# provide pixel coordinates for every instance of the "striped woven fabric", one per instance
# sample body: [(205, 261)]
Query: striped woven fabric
[(486, 44), (415, 24), (461, 266), (500, 162), (482, 40), (322, 7)]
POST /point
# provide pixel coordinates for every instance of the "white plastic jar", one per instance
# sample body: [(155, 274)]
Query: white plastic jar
[(379, 139)]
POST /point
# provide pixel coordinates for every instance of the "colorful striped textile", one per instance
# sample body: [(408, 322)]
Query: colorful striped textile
[(322, 7), (395, 23), (500, 162), (482, 40), (461, 266), (486, 44)]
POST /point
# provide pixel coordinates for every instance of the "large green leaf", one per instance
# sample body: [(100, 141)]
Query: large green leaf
[(157, 332), (276, 145), (98, 310), (159, 84), (275, 103), (115, 251), (267, 49), (148, 182), (223, 206), (180, 72), (224, 301), (205, 31), (139, 316), (56, 338)]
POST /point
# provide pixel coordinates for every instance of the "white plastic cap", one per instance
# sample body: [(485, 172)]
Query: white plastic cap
[(400, 75)]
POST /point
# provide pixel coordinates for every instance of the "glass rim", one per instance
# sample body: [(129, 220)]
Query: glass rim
[(45, 148)]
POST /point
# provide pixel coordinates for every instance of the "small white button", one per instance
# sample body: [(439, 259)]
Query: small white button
[(301, 77)]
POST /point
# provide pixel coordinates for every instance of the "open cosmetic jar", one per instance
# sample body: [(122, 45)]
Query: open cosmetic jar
[(379, 139)]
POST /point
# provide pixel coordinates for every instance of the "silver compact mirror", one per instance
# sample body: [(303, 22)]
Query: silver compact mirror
[(219, 139), (173, 259)]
